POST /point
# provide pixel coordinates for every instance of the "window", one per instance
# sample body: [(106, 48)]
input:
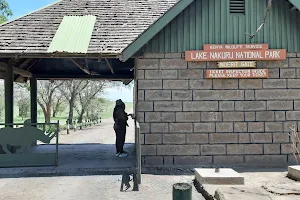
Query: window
[(237, 6)]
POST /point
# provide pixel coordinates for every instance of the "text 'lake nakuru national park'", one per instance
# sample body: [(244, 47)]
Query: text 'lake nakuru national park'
[(272, 54)]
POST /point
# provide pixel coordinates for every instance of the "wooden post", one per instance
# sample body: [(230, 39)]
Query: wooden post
[(182, 191), (33, 99), (9, 94)]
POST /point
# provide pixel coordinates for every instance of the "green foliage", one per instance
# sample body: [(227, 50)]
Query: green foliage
[(24, 107), (5, 11)]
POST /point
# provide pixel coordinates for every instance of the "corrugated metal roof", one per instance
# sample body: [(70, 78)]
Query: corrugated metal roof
[(296, 3), (73, 35)]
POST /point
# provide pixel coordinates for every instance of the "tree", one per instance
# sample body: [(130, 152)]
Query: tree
[(22, 99), (24, 107), (5, 11), (58, 103), (95, 108), (70, 90), (86, 96)]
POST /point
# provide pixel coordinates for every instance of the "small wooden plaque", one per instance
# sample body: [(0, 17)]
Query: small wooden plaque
[(237, 64)]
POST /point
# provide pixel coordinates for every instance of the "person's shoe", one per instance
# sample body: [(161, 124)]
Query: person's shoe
[(122, 155), (117, 154)]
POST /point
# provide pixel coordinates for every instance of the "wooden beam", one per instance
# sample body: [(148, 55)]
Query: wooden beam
[(17, 78), (80, 67), (109, 65), (83, 77), (22, 72)]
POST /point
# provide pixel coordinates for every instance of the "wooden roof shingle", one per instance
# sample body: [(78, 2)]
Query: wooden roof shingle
[(118, 24)]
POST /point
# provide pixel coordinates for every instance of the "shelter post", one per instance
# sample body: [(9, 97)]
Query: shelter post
[(33, 99), (9, 94)]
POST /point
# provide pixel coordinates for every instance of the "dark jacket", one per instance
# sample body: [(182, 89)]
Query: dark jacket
[(120, 117)]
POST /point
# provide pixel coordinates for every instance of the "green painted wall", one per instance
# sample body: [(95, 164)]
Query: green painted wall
[(209, 22)]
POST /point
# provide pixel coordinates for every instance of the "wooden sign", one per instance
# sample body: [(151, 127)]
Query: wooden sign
[(224, 55), (237, 73), (237, 64), (209, 47)]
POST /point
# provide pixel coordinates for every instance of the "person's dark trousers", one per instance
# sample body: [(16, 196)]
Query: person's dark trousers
[(120, 138)]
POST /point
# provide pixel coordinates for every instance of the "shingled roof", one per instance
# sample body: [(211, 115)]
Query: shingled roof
[(118, 24)]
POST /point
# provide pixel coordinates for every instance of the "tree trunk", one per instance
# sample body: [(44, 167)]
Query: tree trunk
[(81, 116), (71, 108), (54, 113)]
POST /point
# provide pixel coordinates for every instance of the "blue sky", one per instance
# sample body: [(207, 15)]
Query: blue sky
[(23, 7)]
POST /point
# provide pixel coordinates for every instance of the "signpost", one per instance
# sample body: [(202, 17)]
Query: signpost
[(237, 64), (237, 73)]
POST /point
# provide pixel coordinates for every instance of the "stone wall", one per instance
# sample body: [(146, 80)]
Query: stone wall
[(189, 120)]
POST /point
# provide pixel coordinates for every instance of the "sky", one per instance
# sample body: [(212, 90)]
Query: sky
[(23, 7)]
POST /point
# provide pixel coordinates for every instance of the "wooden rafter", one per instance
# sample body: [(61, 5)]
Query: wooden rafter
[(109, 65), (80, 67), (22, 72)]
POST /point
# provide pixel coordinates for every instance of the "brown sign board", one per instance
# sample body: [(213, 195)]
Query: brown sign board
[(237, 64), (237, 73), (224, 55), (209, 47)]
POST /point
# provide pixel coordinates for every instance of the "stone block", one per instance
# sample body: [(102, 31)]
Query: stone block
[(175, 84), (296, 105), (141, 95), (154, 160), (256, 127), (280, 105), (142, 139), (244, 138), (157, 95), (210, 150), (264, 160), (279, 116), (240, 127), (265, 116), (273, 73), (224, 127), (160, 74), (226, 105), (174, 139), (168, 160), (188, 117), (294, 172), (277, 94), (140, 117), (280, 137), (250, 105), (273, 126), (223, 138), (153, 139), (150, 84), (250, 83), (148, 150), (147, 63), (298, 73), (200, 106), (173, 64), (201, 84), (145, 127), (168, 106), (190, 74), (196, 65), (204, 127), (288, 125), (173, 55), (241, 193), (228, 160), (182, 95), (293, 83), (193, 160), (140, 74), (178, 150), (181, 127), (288, 73), (249, 95), (221, 95), (249, 116), (286, 148), (274, 83), (159, 127), (225, 84), (233, 116), (244, 149), (261, 137), (225, 176), (293, 115), (271, 148), (211, 116), (197, 138), (154, 55), (291, 55), (168, 117), (153, 117), (295, 62), (273, 64)]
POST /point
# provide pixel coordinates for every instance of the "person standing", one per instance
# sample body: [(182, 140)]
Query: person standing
[(120, 118)]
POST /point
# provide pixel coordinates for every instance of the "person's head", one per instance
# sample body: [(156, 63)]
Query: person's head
[(120, 103)]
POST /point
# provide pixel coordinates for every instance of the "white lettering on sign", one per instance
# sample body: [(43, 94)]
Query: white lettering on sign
[(237, 73)]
